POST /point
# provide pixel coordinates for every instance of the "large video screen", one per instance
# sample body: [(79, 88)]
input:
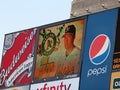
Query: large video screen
[(17, 59), (58, 51)]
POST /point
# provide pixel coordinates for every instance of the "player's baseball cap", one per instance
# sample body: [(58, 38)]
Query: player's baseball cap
[(70, 29)]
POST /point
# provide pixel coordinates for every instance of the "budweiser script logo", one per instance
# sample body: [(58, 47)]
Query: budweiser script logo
[(16, 57)]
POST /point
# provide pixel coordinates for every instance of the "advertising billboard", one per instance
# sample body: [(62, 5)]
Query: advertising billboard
[(115, 75), (17, 59), (18, 88), (68, 84), (115, 81), (75, 54), (116, 56), (98, 50), (58, 51)]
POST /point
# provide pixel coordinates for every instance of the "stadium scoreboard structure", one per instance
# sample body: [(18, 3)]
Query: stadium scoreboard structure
[(81, 53)]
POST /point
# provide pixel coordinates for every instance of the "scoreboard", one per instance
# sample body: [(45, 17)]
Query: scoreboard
[(80, 53)]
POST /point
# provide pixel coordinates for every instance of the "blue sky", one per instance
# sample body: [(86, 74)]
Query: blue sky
[(16, 15)]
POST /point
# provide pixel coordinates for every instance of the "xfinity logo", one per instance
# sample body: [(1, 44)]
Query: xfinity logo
[(61, 86), (66, 84)]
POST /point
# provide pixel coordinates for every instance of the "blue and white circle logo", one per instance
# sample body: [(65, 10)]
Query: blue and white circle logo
[(99, 49)]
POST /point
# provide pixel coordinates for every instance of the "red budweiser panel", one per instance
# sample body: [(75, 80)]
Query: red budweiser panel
[(17, 59)]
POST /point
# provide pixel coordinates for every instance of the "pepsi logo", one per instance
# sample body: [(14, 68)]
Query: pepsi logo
[(99, 49)]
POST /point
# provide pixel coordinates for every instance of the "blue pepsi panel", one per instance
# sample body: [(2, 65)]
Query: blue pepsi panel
[(98, 50)]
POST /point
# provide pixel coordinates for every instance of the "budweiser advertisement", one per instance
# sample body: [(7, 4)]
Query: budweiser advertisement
[(68, 84), (18, 88), (58, 50), (17, 59)]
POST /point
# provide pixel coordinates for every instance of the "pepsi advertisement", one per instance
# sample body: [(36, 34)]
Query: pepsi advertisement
[(98, 50)]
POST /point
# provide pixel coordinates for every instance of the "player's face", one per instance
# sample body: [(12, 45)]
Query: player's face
[(68, 40)]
